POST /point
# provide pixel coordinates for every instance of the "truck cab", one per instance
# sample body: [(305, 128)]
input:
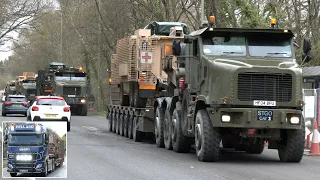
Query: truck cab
[(28, 145)]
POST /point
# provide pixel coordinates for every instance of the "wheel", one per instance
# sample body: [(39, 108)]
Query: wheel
[(139, 102), (136, 134), (28, 118), (121, 125), (291, 147), (118, 123), (167, 129), (114, 122), (130, 126), (207, 138), (158, 126), (125, 125), (68, 126), (4, 114), (53, 165), (45, 173), (25, 114), (13, 174), (84, 110), (255, 148), (180, 143), (109, 119)]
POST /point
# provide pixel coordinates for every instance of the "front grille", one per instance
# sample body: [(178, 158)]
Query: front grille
[(264, 86), (72, 91)]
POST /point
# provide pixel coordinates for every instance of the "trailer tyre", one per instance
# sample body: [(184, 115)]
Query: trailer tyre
[(13, 174), (68, 126), (207, 138), (45, 173), (167, 130), (125, 125), (158, 127), (53, 165), (118, 123), (109, 119), (291, 148), (121, 125), (4, 114), (114, 122), (136, 135), (130, 126), (180, 143)]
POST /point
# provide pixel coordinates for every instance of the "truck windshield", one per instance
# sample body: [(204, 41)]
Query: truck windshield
[(71, 77), (29, 84), (269, 46), (225, 46), (25, 139)]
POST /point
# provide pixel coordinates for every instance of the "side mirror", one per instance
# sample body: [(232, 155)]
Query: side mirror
[(176, 47), (306, 50)]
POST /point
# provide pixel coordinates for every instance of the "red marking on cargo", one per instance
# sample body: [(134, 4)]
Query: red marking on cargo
[(146, 57), (251, 131)]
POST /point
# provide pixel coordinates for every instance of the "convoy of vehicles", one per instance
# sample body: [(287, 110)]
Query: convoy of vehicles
[(235, 85), (33, 148), (15, 104), (70, 83), (50, 108)]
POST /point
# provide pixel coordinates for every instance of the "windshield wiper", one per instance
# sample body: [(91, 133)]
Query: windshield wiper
[(276, 53), (231, 52)]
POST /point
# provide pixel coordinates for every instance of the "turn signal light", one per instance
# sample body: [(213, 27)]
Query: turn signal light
[(35, 108), (66, 109)]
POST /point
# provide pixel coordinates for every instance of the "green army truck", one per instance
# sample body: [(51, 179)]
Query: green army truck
[(238, 86), (10, 88)]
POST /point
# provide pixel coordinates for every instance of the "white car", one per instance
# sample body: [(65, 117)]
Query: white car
[(49, 108)]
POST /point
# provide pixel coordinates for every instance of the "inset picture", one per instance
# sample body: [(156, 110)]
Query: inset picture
[(34, 149)]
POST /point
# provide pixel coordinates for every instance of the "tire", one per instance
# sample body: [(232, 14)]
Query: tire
[(291, 148), (109, 119), (180, 143), (84, 110), (167, 130), (207, 138), (136, 134), (44, 174), (68, 126), (125, 125), (158, 127), (25, 114), (118, 123), (255, 148), (121, 125), (28, 118), (4, 114), (130, 126), (114, 122), (139, 102), (53, 165), (13, 174)]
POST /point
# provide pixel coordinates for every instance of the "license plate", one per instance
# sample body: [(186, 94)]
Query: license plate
[(16, 105), (265, 115), (23, 170), (51, 115), (264, 103), (71, 95), (32, 94)]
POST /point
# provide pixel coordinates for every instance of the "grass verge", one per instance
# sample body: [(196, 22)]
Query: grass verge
[(4, 164)]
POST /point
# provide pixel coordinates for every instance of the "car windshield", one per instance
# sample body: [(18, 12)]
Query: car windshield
[(17, 99), (51, 102), (269, 46), (224, 46), (29, 84), (71, 77), (25, 139)]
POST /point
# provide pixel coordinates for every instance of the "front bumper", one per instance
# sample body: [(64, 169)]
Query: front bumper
[(27, 168), (248, 118)]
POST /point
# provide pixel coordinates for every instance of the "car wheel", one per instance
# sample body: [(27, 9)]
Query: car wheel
[(68, 126)]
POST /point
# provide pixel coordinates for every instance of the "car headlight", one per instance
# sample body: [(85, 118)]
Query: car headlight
[(23, 157), (294, 120), (83, 100)]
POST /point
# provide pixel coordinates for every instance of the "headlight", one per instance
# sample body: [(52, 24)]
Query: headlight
[(24, 158), (38, 128), (225, 118), (83, 100), (294, 120), (11, 156)]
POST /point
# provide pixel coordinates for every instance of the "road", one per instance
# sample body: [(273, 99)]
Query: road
[(95, 153)]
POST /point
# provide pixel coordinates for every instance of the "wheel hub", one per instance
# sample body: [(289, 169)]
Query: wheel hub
[(198, 136)]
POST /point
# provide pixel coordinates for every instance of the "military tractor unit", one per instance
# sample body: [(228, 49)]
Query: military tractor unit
[(68, 82), (239, 86)]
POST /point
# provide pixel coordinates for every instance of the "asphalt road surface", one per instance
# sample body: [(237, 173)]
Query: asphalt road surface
[(95, 153)]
